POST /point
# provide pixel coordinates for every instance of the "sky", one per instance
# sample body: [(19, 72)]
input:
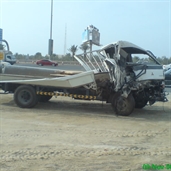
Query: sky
[(26, 24)]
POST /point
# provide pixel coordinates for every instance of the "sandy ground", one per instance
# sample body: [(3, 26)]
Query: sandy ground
[(73, 135)]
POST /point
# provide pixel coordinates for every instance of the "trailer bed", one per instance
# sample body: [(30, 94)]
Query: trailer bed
[(68, 80)]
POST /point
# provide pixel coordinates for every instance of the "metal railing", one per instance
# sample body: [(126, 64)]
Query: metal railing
[(92, 61)]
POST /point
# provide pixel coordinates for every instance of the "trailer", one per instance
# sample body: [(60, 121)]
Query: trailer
[(110, 75)]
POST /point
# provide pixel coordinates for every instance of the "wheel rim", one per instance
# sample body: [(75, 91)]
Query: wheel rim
[(24, 97), (121, 104)]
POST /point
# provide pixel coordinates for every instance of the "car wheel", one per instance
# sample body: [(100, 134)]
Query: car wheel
[(25, 96), (123, 106), (53, 64)]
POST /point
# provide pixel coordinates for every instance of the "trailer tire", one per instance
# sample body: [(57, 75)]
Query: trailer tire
[(43, 98), (123, 106), (25, 96)]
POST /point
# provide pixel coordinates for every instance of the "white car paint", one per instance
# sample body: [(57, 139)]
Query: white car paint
[(4, 63)]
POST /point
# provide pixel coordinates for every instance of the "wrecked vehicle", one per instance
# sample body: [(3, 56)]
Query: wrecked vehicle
[(110, 75), (131, 84)]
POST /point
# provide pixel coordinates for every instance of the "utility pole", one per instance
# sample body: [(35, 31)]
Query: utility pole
[(50, 49), (65, 39)]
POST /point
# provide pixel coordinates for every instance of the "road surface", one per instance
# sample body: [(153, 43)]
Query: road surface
[(73, 135), (60, 67)]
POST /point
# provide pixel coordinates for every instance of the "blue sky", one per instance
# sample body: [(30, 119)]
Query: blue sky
[(26, 23)]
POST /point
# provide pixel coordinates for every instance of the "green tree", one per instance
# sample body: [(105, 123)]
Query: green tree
[(135, 59), (54, 57), (67, 57), (165, 60), (38, 55), (19, 56), (84, 47), (73, 50)]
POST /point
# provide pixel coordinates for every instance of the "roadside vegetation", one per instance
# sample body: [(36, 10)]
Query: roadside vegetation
[(69, 56)]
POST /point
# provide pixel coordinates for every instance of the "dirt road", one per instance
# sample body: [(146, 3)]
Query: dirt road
[(73, 135)]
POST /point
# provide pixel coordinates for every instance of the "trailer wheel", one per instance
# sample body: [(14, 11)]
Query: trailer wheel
[(25, 96), (43, 98), (123, 106)]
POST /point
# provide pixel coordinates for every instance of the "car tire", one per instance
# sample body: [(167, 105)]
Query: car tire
[(25, 96), (123, 106), (53, 65)]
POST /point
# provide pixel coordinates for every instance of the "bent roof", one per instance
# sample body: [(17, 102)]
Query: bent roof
[(124, 44)]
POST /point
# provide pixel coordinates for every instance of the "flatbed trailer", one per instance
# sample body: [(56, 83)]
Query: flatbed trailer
[(110, 75)]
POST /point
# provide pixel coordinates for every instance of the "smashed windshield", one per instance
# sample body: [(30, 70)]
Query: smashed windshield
[(143, 59)]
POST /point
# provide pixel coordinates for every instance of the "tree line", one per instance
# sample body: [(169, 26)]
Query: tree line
[(70, 56), (67, 57)]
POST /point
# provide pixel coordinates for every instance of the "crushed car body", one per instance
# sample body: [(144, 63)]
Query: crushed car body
[(142, 81)]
